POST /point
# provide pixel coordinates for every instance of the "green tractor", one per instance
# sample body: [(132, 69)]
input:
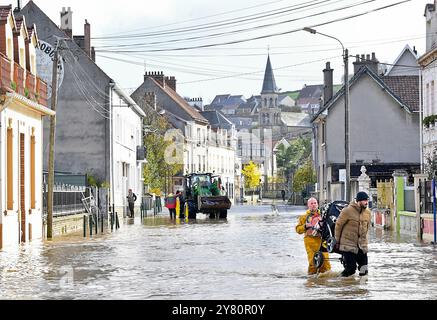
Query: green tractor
[(202, 194)]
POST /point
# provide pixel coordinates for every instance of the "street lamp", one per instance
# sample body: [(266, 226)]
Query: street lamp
[(346, 110)]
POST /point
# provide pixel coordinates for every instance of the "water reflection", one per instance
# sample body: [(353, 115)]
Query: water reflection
[(251, 255)]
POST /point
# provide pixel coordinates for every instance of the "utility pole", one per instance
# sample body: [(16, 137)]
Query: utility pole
[(346, 126), (347, 183), (51, 167)]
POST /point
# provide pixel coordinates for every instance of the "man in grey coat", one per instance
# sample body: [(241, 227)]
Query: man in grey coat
[(351, 229), (131, 198)]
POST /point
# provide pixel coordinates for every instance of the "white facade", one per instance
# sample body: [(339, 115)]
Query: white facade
[(428, 64), (195, 151), (127, 135), (21, 127), (210, 151), (21, 219), (222, 157)]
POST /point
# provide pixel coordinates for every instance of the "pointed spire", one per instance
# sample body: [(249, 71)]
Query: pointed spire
[(269, 85)]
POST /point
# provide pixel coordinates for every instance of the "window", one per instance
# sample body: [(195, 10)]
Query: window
[(10, 50), (125, 168), (22, 58)]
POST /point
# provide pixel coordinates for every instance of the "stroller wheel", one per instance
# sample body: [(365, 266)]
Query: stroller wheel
[(318, 259), (331, 242)]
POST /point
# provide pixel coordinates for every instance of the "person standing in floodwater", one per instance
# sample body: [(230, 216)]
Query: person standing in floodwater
[(308, 225), (131, 198)]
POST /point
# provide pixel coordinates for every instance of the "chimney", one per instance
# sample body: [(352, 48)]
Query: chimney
[(414, 50), (18, 8), (365, 60), (150, 101), (158, 76), (67, 21), (328, 89), (87, 38), (171, 82), (93, 54)]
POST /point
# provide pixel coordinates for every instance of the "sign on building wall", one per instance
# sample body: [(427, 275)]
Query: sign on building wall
[(45, 54)]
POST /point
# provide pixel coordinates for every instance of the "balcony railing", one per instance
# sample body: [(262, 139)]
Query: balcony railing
[(14, 78)]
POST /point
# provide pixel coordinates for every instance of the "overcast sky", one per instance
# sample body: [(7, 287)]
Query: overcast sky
[(298, 58)]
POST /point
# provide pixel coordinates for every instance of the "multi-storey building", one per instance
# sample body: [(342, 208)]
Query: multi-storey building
[(23, 104), (99, 127)]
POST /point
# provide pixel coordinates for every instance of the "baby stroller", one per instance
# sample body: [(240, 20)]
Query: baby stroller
[(329, 215)]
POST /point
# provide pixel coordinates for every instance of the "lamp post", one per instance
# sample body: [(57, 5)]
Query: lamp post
[(346, 111)]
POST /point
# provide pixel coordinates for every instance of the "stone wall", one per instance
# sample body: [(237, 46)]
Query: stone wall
[(68, 224)]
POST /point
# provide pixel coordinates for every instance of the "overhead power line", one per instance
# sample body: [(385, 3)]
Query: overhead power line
[(263, 36), (196, 19), (233, 32), (251, 18)]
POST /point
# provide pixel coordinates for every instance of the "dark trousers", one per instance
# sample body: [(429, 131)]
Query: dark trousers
[(172, 213), (131, 209), (350, 262)]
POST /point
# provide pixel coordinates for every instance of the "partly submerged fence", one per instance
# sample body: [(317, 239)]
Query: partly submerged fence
[(67, 199)]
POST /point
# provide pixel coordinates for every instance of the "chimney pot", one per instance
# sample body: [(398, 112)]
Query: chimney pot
[(368, 58), (363, 57), (373, 56)]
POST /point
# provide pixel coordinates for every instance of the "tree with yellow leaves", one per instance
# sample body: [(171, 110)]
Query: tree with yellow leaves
[(251, 176)]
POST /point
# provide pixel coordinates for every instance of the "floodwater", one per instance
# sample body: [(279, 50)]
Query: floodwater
[(255, 254)]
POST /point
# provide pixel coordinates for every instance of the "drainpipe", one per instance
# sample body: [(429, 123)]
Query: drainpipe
[(434, 210), (421, 119), (111, 142)]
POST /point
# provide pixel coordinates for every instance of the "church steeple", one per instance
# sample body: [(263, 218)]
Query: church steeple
[(269, 85)]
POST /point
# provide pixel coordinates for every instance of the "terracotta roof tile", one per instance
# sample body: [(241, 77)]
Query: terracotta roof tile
[(406, 88), (181, 102)]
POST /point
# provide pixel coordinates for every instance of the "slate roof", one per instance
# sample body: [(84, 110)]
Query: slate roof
[(220, 99), (216, 119), (310, 93), (404, 89), (185, 107), (241, 122), (269, 84)]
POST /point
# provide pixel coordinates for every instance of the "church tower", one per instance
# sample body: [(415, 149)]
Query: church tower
[(270, 113)]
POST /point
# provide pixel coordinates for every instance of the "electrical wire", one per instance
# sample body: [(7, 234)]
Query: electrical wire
[(226, 33), (200, 18), (214, 25), (264, 36)]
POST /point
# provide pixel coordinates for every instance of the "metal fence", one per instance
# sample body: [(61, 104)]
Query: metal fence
[(67, 199), (428, 196)]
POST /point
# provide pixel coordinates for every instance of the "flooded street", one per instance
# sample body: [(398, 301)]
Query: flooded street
[(255, 254)]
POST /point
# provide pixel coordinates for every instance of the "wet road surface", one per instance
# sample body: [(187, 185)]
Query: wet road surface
[(255, 254)]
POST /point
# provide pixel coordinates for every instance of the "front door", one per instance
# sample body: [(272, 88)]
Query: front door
[(22, 196)]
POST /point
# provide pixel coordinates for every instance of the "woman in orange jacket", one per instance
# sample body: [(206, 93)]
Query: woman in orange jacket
[(308, 225)]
